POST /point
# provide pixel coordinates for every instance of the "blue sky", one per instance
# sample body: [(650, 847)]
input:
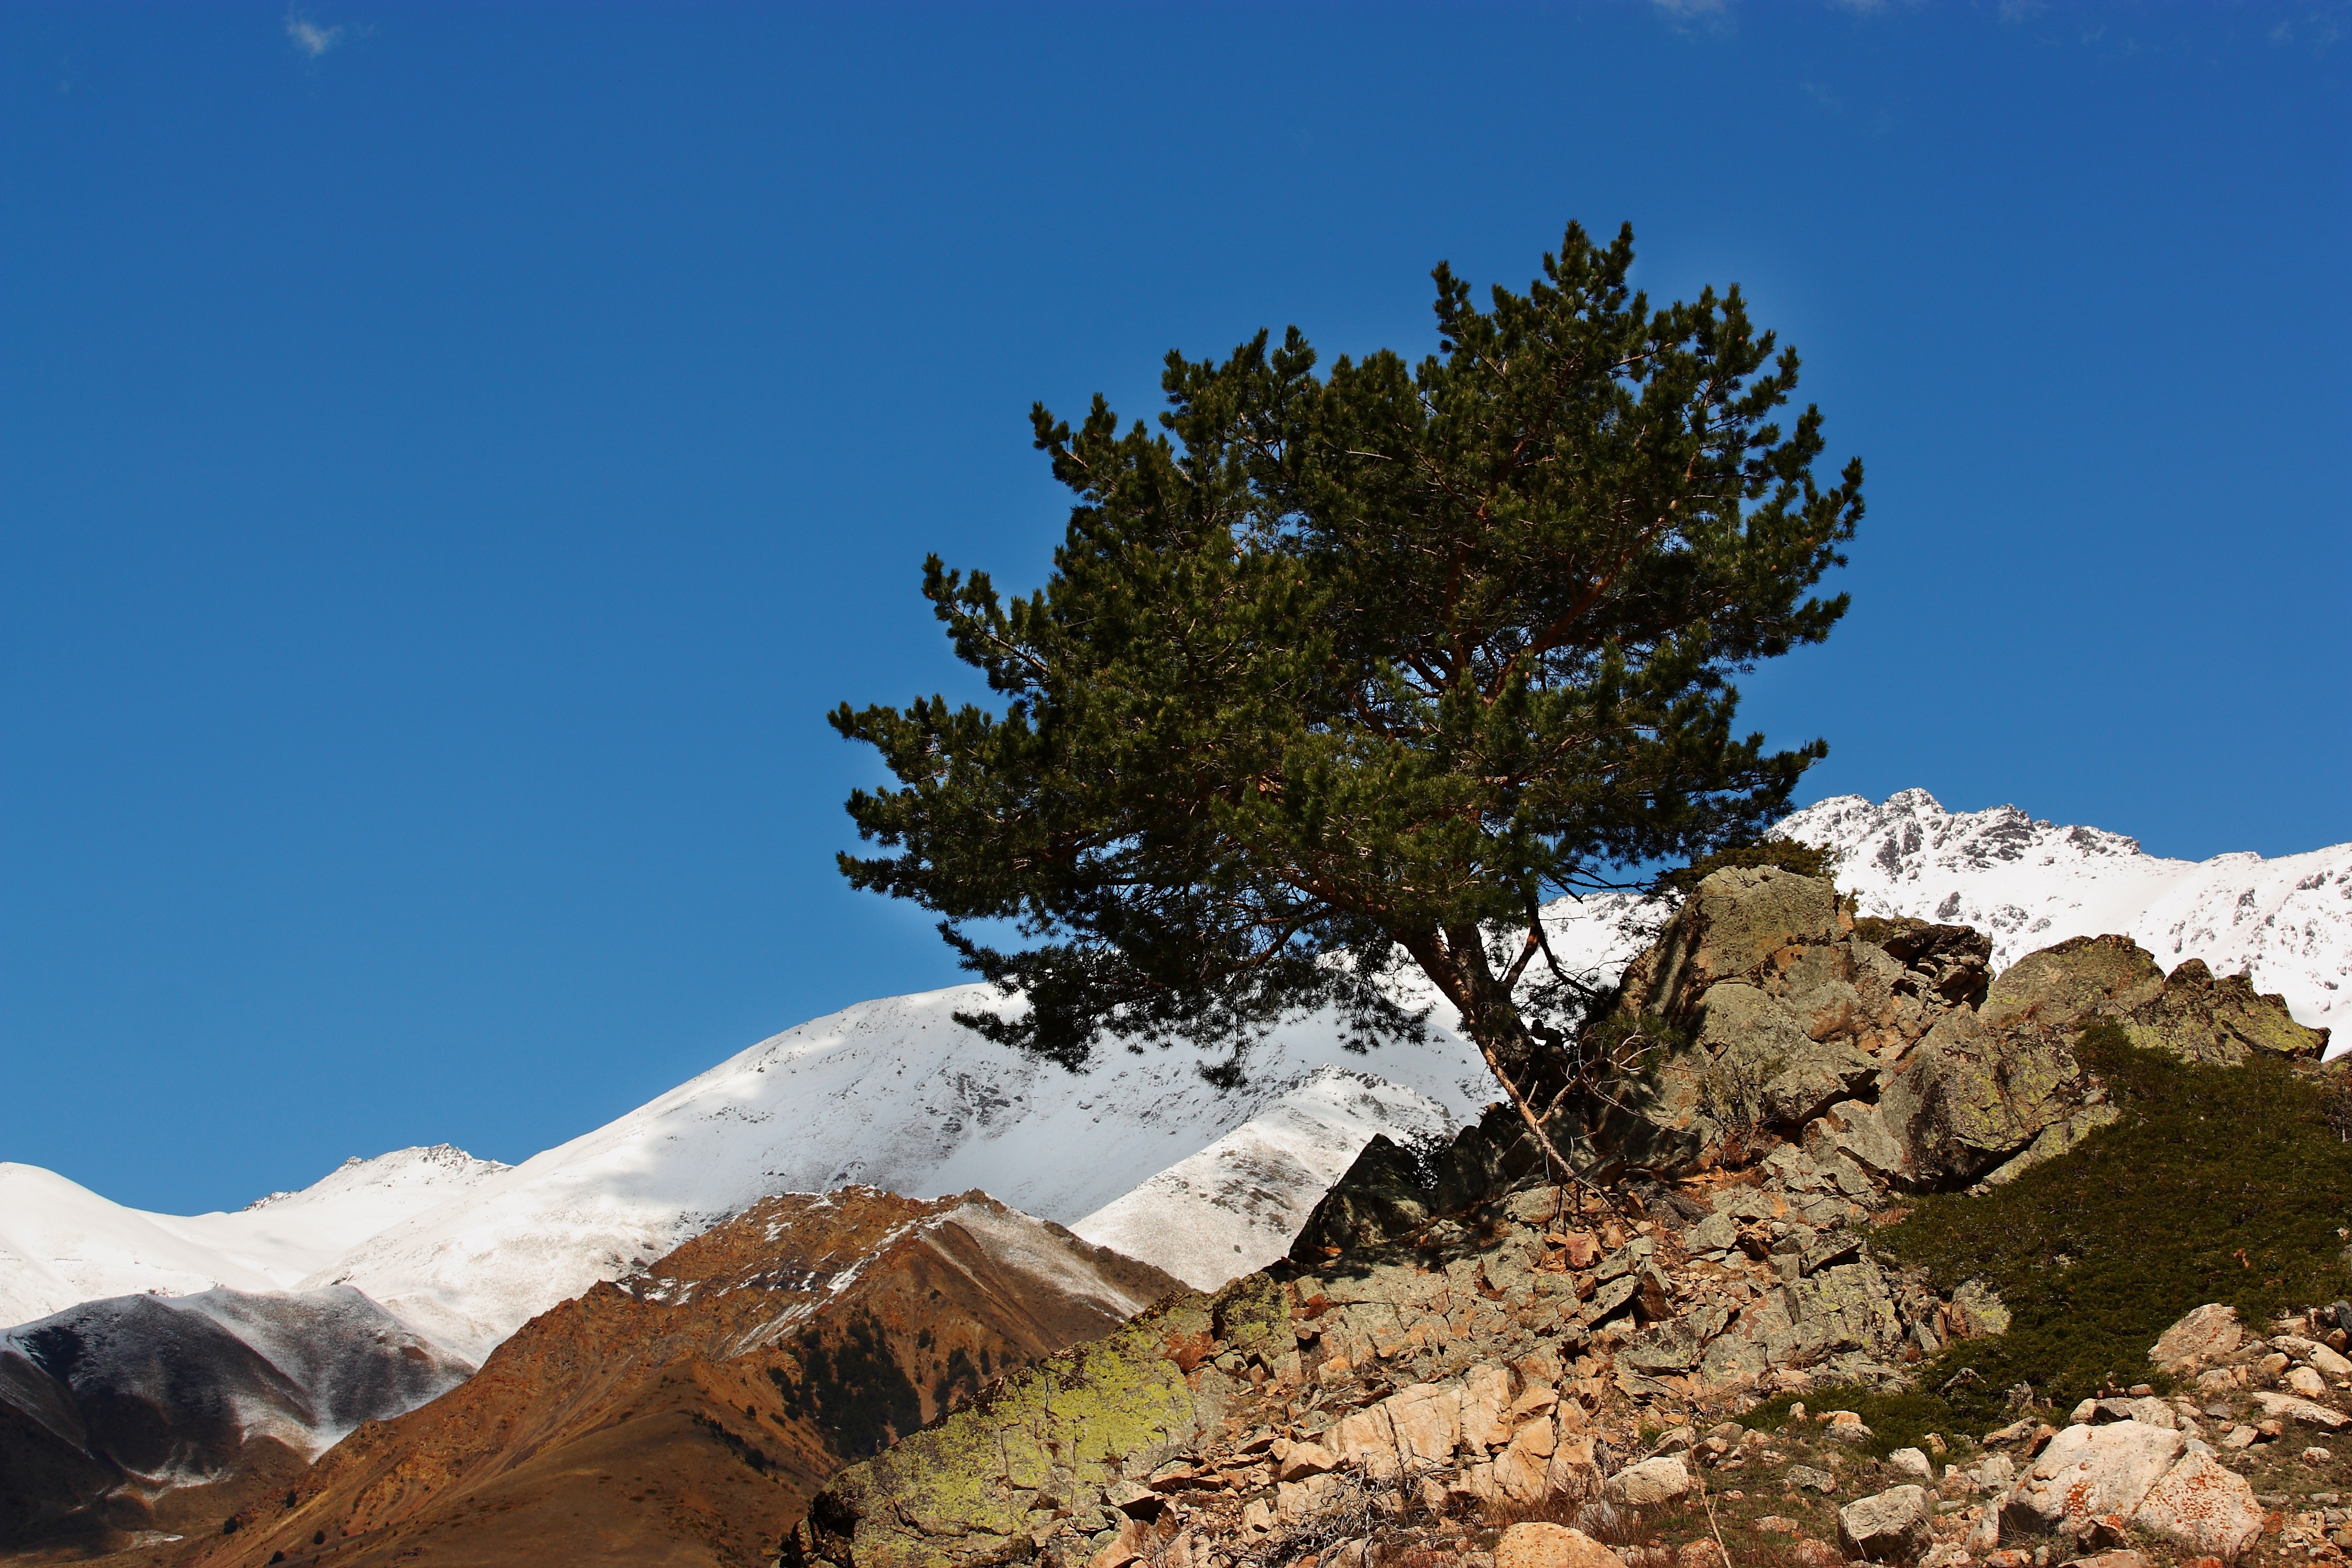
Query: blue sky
[(451, 458)]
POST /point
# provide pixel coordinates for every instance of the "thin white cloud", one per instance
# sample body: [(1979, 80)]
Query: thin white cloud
[(309, 36), (1691, 7)]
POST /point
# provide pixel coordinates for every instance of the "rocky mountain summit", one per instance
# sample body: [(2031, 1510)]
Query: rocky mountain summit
[(1470, 1360)]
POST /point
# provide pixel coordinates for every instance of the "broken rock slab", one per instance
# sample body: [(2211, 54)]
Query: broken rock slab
[(2311, 1413)]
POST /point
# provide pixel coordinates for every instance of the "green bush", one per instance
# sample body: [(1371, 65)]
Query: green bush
[(2219, 1184)]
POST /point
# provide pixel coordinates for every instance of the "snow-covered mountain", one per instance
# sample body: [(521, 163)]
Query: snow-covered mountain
[(2286, 924), (175, 1385), (61, 1244), (897, 1095)]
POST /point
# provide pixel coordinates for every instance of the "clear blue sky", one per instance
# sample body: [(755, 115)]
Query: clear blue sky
[(451, 458)]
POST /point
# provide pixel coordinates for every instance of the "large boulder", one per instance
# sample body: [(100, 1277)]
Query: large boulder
[(1734, 921), (1891, 1527), (1541, 1545), (1651, 1481), (1972, 1095), (2204, 1506), (1768, 1068), (2198, 1339), (2064, 987), (2087, 1471)]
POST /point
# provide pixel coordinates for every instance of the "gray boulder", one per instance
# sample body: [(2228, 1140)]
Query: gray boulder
[(1972, 1096), (1734, 921), (1767, 1070), (1891, 1527)]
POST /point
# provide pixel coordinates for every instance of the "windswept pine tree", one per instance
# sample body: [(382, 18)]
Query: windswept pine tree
[(1340, 673)]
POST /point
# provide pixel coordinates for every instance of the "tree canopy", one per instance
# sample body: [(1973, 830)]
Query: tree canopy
[(1336, 673)]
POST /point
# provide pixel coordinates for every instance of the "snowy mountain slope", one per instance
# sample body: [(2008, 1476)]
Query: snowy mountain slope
[(1234, 1206), (892, 1093), (60, 1243), (2286, 922)]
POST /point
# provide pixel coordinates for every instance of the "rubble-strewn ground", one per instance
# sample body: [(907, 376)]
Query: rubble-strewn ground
[(1413, 1408), (1633, 1358)]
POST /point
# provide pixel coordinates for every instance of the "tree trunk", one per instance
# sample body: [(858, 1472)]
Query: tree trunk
[(1458, 967)]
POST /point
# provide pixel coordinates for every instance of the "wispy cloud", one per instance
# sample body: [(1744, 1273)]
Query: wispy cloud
[(309, 36), (1683, 8)]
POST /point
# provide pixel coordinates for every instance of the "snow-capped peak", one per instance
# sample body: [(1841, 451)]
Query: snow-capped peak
[(61, 1244), (2027, 884)]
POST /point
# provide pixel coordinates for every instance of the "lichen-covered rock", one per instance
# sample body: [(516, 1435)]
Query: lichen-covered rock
[(2200, 1018), (2091, 1470), (1857, 1129), (1083, 1420), (1972, 1095), (1734, 921), (2204, 1505), (2200, 1339), (2064, 987), (1767, 1070)]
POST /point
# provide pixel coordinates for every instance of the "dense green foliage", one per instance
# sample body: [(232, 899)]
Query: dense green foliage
[(2219, 1184), (1333, 669)]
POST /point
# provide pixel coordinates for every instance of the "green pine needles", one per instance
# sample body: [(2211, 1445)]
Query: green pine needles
[(1336, 673)]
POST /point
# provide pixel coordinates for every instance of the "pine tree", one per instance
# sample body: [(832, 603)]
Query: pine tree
[(1338, 674)]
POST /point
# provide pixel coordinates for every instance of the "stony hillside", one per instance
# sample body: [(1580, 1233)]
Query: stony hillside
[(1468, 1361), (686, 1414)]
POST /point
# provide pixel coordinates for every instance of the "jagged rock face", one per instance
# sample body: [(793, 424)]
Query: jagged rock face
[(686, 1415), (142, 1413), (1794, 1009)]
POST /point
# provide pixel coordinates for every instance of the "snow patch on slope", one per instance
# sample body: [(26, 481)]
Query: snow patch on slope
[(1234, 1207), (60, 1243), (2287, 923)]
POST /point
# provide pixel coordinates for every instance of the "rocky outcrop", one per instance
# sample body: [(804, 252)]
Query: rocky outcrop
[(1510, 1355), (687, 1415), (1762, 1014)]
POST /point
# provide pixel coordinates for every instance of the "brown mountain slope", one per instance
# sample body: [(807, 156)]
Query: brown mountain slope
[(688, 1416)]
